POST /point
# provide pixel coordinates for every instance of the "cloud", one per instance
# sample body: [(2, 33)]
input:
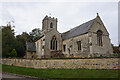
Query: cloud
[(29, 15)]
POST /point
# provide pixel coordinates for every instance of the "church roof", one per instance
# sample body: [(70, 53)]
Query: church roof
[(30, 46), (81, 29)]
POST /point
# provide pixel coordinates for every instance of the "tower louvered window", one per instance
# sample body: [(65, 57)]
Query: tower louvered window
[(51, 25)]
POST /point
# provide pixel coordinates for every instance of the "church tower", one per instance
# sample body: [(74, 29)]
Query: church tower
[(49, 24)]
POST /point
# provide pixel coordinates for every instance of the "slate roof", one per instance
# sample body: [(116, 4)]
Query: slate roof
[(81, 29), (40, 37), (30, 46)]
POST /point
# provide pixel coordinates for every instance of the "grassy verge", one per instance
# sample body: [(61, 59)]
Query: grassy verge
[(61, 73)]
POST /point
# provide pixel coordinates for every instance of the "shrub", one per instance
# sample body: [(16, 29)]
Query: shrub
[(101, 56), (115, 54), (13, 53)]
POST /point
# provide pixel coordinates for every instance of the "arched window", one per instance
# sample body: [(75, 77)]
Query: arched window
[(99, 37), (79, 45), (53, 43), (51, 25)]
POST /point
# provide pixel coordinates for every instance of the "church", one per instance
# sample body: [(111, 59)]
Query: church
[(90, 39)]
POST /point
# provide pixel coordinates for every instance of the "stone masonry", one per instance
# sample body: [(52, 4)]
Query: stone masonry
[(104, 63), (90, 39)]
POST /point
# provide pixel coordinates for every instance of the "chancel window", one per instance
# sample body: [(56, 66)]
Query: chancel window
[(99, 37), (79, 45), (53, 43), (64, 48), (51, 25)]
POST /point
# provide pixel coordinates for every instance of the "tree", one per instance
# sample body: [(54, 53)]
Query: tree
[(8, 40), (21, 43), (116, 49), (25, 37), (35, 34), (13, 53)]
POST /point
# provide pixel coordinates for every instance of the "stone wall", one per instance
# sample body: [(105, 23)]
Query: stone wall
[(48, 37), (106, 49), (84, 52), (104, 63)]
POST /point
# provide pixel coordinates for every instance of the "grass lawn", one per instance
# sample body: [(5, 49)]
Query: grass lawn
[(61, 73)]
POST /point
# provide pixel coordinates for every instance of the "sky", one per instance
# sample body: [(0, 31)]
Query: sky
[(29, 15)]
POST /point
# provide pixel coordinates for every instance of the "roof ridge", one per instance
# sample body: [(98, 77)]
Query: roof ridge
[(78, 26), (78, 30)]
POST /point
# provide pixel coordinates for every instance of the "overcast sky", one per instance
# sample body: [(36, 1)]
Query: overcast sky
[(29, 15)]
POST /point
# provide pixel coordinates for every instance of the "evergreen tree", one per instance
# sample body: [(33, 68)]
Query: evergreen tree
[(13, 53), (8, 40)]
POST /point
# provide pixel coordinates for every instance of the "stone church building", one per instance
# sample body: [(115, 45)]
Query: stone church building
[(90, 39)]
